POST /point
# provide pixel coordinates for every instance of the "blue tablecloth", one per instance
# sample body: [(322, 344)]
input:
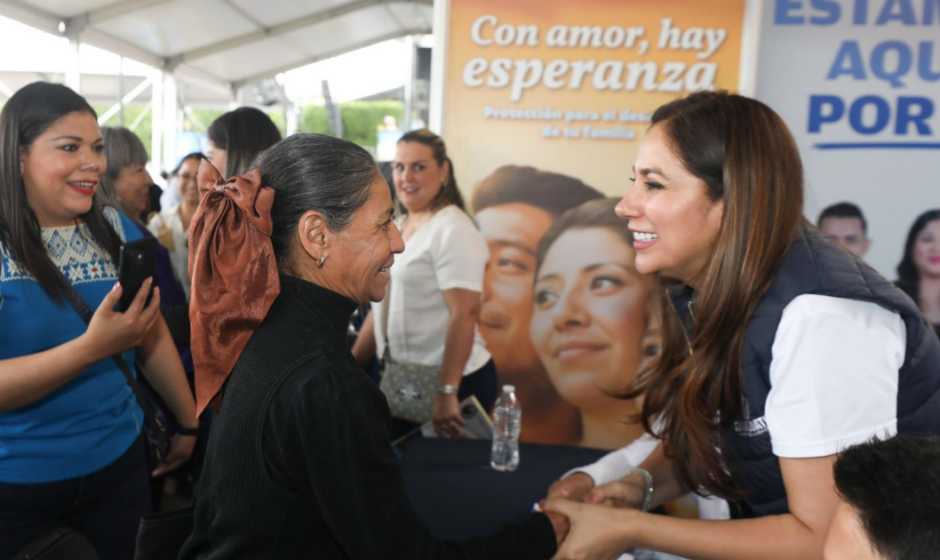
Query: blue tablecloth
[(458, 494)]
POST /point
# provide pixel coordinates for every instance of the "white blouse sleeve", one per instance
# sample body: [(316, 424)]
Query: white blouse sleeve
[(460, 254), (834, 376)]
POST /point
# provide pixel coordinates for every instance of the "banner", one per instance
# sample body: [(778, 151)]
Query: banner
[(544, 103), (858, 81)]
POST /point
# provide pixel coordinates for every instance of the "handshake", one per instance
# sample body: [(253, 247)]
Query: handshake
[(594, 523)]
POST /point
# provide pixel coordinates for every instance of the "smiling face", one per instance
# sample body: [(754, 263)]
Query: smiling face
[(590, 315), (675, 224), (847, 232), (512, 232), (417, 175), (364, 251), (927, 250), (132, 189), (186, 180), (61, 168)]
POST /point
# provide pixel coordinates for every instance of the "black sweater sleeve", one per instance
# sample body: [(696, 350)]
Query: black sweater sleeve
[(332, 445)]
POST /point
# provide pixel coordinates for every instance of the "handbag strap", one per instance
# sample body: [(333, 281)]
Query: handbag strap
[(73, 297)]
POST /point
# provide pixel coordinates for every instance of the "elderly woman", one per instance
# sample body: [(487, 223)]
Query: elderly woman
[(299, 463)]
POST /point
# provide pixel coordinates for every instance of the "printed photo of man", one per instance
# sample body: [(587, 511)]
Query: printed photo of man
[(514, 207)]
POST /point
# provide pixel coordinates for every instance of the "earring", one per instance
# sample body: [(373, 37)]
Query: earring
[(321, 261)]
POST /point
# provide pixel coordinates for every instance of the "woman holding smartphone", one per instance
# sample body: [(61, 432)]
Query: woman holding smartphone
[(779, 348), (70, 447)]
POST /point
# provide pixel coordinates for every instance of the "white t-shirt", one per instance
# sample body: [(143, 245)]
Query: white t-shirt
[(448, 252), (834, 382)]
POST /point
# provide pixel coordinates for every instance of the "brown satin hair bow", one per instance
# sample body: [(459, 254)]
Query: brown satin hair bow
[(233, 271)]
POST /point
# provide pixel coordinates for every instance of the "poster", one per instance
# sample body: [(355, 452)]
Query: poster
[(858, 83), (543, 106)]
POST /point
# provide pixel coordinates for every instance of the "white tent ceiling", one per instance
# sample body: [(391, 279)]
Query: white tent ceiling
[(222, 45)]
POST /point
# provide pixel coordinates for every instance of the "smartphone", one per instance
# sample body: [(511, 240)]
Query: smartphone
[(138, 262)]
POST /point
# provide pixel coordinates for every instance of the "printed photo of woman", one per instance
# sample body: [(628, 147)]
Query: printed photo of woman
[(592, 326)]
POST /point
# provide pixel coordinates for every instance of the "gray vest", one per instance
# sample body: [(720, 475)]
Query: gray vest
[(813, 265)]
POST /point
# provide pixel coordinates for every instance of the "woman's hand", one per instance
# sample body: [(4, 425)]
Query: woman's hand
[(181, 448), (111, 332), (572, 487), (619, 493), (446, 416), (597, 532)]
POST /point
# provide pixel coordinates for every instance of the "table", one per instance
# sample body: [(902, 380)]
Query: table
[(458, 495)]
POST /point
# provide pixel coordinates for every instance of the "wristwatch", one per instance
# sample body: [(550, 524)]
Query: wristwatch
[(184, 431), (448, 389)]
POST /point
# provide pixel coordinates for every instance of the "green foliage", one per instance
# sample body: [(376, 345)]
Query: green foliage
[(200, 119), (131, 113), (361, 119), (313, 119)]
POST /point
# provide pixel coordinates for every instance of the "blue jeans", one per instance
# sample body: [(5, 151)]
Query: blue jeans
[(105, 506)]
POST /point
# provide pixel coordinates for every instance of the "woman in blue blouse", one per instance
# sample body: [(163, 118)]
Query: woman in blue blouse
[(70, 447)]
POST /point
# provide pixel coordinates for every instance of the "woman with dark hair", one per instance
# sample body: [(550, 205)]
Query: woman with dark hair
[(771, 363), (171, 226), (299, 463), (70, 447), (438, 280), (237, 137), (919, 270), (589, 319), (513, 207)]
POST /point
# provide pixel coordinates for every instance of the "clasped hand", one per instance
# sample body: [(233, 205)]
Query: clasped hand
[(592, 523)]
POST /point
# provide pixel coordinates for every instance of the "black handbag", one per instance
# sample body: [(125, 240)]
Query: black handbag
[(155, 430), (62, 543)]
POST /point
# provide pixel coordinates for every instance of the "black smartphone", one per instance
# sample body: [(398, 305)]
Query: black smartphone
[(138, 262)]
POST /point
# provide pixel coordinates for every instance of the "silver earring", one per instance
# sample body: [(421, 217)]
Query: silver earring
[(321, 261)]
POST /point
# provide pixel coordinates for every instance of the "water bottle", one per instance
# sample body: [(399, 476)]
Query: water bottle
[(507, 421)]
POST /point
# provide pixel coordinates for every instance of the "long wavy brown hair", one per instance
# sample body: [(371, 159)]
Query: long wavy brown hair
[(749, 161)]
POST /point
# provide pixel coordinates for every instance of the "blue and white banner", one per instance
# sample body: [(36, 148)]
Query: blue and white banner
[(858, 82)]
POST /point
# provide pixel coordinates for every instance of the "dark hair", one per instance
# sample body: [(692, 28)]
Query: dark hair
[(28, 114), (314, 172), (121, 149), (592, 214), (748, 160), (552, 192), (893, 487), (908, 275), (243, 133), (449, 194), (198, 156), (843, 210)]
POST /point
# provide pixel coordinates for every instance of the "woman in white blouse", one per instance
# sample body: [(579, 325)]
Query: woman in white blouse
[(171, 226), (436, 285)]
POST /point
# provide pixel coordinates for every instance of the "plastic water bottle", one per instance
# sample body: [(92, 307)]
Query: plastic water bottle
[(507, 421)]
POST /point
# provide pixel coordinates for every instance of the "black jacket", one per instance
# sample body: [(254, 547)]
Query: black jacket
[(299, 463), (814, 265)]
